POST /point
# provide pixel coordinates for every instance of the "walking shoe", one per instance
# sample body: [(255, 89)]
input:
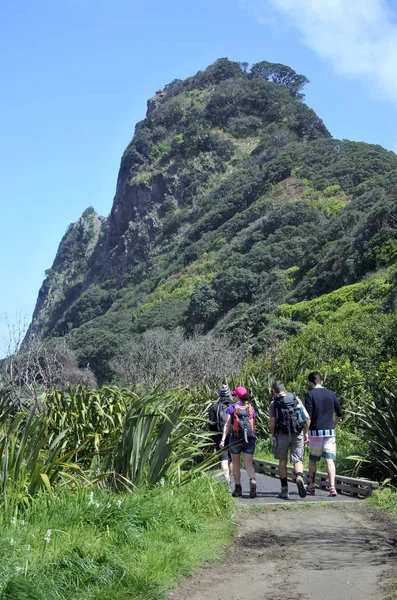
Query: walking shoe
[(332, 492), (301, 486), (252, 488), (310, 491), (238, 491), (284, 493)]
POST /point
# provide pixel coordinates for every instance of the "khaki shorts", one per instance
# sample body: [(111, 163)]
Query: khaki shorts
[(292, 442)]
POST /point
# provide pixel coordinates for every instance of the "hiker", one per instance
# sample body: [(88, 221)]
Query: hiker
[(289, 426), (240, 423), (324, 412), (217, 420)]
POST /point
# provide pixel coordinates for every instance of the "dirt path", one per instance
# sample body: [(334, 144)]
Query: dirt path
[(341, 552)]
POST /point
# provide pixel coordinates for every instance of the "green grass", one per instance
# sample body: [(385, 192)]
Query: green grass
[(385, 498), (112, 547)]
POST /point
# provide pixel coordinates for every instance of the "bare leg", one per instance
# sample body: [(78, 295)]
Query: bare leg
[(236, 469), (312, 472), (298, 468), (331, 471), (225, 469), (248, 458), (282, 469)]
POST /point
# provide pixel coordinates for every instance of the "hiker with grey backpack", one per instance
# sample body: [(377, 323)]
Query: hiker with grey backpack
[(240, 425), (217, 421), (289, 426)]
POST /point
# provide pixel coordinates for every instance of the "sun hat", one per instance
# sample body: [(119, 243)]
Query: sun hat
[(225, 390), (239, 391)]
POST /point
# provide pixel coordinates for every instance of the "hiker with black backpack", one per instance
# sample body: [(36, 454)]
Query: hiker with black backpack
[(240, 424), (289, 426), (217, 420)]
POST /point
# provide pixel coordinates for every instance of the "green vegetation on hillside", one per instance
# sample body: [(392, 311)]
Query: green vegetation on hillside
[(232, 200)]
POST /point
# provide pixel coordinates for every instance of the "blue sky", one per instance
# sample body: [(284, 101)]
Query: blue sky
[(76, 75)]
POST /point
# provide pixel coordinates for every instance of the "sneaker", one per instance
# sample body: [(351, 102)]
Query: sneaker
[(284, 493), (310, 491), (252, 488), (301, 486), (332, 492), (238, 491)]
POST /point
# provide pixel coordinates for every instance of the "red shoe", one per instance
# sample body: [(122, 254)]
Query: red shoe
[(310, 491), (332, 492)]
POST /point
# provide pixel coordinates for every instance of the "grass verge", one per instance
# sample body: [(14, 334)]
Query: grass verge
[(101, 546), (385, 498)]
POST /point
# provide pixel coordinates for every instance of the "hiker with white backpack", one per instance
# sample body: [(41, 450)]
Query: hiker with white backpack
[(217, 420), (289, 426), (240, 428)]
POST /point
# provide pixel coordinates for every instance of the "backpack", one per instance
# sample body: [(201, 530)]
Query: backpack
[(218, 415), (289, 415), (243, 422)]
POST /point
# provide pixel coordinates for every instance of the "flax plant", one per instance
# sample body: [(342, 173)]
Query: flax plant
[(162, 438), (28, 460), (377, 422)]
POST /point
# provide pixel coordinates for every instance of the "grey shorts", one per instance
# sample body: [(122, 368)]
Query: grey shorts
[(284, 442)]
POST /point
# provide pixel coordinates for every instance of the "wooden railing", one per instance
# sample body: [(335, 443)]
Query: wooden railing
[(346, 485)]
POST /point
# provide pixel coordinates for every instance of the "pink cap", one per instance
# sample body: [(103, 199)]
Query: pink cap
[(239, 391)]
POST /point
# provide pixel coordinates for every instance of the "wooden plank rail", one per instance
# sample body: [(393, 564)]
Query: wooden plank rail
[(353, 486)]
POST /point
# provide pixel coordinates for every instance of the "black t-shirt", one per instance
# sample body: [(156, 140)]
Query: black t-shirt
[(321, 404)]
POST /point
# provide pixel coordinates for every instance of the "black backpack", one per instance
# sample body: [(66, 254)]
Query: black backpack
[(218, 414), (289, 415)]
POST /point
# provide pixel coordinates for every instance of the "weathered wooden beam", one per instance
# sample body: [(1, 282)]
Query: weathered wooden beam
[(354, 486)]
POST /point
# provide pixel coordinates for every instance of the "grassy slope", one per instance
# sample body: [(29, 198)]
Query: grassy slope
[(112, 547)]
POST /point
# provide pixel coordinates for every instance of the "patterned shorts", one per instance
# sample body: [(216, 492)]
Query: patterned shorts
[(322, 446)]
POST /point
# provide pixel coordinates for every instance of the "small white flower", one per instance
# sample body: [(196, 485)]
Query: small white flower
[(162, 481), (22, 523), (108, 505), (47, 537), (18, 568), (28, 548), (118, 503), (11, 542), (13, 521), (91, 499), (172, 492), (97, 504)]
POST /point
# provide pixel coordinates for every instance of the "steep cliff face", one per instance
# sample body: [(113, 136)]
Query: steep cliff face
[(66, 279), (134, 222), (231, 198)]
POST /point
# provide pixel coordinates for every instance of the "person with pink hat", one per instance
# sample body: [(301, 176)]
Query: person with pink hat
[(240, 424)]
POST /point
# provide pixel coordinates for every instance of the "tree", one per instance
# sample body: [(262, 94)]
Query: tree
[(280, 74), (32, 366), (233, 286), (170, 357), (203, 309)]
